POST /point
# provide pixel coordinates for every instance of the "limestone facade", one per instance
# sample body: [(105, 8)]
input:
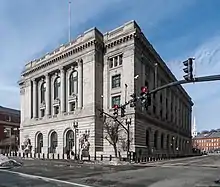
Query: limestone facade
[(61, 92)]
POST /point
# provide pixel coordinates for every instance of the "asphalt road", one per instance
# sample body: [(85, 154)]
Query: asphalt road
[(195, 172)]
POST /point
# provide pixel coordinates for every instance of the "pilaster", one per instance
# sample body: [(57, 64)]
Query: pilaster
[(48, 91), (63, 93), (80, 84), (35, 98)]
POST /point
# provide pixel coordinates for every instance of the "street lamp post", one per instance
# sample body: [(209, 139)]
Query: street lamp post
[(75, 126), (128, 123)]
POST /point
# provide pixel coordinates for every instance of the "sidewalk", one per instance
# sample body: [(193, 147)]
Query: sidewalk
[(105, 162)]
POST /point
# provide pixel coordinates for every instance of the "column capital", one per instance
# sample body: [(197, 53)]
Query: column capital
[(62, 70), (34, 81), (47, 75), (80, 61)]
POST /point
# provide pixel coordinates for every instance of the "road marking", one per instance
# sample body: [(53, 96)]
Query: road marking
[(44, 178)]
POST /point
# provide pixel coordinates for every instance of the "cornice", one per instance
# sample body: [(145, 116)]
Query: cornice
[(69, 52), (123, 39)]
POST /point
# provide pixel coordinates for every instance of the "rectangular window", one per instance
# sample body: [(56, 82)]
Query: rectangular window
[(116, 100), (146, 84), (115, 61), (72, 106), (161, 113), (56, 110), (42, 113), (111, 63), (7, 118), (120, 59), (116, 81), (161, 98), (154, 109)]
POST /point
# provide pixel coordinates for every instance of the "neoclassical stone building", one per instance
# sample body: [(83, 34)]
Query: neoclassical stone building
[(61, 92)]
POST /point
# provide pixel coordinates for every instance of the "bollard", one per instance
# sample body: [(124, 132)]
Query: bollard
[(101, 157), (110, 157)]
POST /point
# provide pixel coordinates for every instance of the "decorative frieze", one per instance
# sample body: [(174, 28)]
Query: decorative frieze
[(70, 52)]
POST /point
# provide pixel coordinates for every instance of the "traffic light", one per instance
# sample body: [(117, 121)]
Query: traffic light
[(188, 69), (144, 90), (123, 111), (101, 113), (148, 101), (133, 101), (115, 107)]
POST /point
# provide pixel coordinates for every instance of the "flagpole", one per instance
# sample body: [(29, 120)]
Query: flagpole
[(69, 21)]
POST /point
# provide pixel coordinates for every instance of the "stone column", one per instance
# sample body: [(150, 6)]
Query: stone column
[(48, 94), (80, 84), (63, 93), (35, 98)]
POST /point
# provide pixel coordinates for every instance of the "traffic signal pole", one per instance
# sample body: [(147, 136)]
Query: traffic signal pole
[(196, 79), (114, 118)]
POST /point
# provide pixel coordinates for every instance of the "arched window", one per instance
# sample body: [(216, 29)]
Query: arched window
[(168, 142), (53, 142), (69, 140), (43, 92), (155, 139), (73, 83), (57, 88), (147, 138), (39, 142), (176, 144), (162, 141)]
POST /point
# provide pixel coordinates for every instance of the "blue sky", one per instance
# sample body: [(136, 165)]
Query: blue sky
[(177, 30)]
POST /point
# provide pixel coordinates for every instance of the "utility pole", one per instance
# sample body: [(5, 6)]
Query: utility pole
[(69, 21), (155, 74), (126, 92), (128, 123)]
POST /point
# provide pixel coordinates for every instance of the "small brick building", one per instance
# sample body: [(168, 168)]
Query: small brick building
[(208, 142), (9, 129)]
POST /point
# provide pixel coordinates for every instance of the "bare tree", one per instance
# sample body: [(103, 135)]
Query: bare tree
[(123, 139), (111, 128)]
